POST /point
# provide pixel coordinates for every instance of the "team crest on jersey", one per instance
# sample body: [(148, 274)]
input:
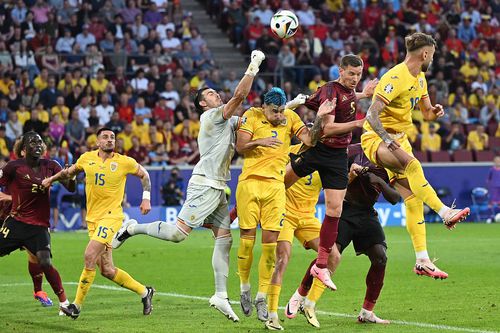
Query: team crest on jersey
[(388, 88), (421, 83), (113, 166)]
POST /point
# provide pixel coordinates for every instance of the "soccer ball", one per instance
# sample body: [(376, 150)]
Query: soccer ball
[(497, 218), (284, 24)]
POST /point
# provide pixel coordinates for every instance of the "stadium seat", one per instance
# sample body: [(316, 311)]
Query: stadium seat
[(440, 156), (463, 156), (481, 209), (492, 129), (484, 156), (494, 143), (469, 128), (422, 156)]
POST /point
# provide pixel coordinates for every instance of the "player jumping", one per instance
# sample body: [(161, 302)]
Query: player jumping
[(385, 143), (206, 202)]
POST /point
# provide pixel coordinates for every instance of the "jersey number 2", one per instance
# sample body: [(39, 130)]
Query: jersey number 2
[(99, 179)]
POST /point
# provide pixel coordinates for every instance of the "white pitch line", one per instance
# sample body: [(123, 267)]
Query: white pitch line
[(335, 314)]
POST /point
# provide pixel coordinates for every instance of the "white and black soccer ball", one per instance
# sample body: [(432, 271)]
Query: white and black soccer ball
[(497, 218), (284, 24)]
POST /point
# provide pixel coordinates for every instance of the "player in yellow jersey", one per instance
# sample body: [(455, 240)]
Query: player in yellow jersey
[(301, 223), (385, 143), (264, 140), (106, 173)]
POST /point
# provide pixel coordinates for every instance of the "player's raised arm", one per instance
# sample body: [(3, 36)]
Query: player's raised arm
[(368, 90), (429, 111), (389, 193), (143, 175), (244, 86), (325, 122)]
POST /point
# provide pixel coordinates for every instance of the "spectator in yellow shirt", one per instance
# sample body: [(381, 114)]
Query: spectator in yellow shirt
[(100, 83), (198, 80), (469, 69), (458, 96), (4, 147), (5, 82), (315, 83), (43, 115), (486, 56), (477, 100), (193, 125), (141, 130), (67, 81), (42, 81), (60, 109), (126, 136), (477, 139), (23, 114), (431, 141)]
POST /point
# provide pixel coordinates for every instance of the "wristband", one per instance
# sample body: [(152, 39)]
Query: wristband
[(146, 195)]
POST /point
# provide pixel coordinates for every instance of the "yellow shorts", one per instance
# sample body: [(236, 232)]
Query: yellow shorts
[(370, 141), (261, 201), (304, 227), (104, 230)]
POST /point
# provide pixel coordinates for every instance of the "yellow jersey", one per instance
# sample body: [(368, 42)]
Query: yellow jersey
[(267, 162), (105, 184), (302, 197), (401, 92), (431, 143)]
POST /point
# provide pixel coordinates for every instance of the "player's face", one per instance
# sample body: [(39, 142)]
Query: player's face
[(106, 141), (350, 76), (212, 98), (427, 55), (274, 114), (34, 147)]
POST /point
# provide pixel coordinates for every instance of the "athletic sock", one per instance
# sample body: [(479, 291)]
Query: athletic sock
[(86, 280), (273, 297), (233, 214), (421, 187), (327, 237), (245, 258), (415, 223), (316, 291), (36, 273), (220, 264), (54, 279), (374, 283), (266, 266), (124, 280), (159, 229), (307, 280)]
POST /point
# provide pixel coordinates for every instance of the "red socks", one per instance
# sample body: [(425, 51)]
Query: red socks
[(307, 280), (374, 283), (52, 275), (327, 237), (36, 273)]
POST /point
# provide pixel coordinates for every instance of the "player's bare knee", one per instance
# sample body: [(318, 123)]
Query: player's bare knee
[(108, 272), (43, 258)]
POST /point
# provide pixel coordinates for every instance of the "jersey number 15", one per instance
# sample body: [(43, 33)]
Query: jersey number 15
[(99, 179)]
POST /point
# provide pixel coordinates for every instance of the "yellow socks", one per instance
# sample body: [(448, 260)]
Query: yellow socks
[(273, 297), (123, 279), (266, 266), (421, 187), (86, 280), (245, 258), (316, 291), (415, 223)]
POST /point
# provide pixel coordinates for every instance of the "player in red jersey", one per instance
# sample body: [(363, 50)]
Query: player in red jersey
[(27, 225), (329, 155)]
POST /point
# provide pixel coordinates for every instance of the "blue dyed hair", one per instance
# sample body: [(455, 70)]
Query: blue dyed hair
[(275, 96)]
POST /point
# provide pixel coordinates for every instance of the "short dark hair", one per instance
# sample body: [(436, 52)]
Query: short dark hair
[(351, 60), (104, 129), (418, 40), (198, 98), (21, 143)]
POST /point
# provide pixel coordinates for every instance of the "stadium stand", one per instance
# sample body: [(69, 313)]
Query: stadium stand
[(68, 67)]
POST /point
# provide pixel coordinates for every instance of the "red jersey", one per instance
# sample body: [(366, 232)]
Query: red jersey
[(361, 192), (30, 200), (344, 112)]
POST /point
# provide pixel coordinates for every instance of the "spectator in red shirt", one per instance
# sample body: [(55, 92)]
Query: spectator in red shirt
[(254, 32), (124, 109), (162, 111), (138, 152), (372, 15), (454, 44)]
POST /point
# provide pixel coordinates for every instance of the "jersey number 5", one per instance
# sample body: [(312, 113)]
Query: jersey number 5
[(99, 179)]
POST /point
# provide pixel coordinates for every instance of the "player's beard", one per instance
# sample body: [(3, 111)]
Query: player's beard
[(108, 150), (425, 67)]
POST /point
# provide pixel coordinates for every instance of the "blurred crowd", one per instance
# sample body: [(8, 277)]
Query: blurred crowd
[(464, 77), (68, 67)]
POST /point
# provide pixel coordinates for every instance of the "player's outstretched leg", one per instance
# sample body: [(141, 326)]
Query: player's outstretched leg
[(36, 274), (220, 264), (159, 229)]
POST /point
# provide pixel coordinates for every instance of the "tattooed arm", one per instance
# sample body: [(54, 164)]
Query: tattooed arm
[(143, 174), (373, 118)]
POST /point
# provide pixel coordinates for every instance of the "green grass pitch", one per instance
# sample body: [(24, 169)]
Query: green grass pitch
[(468, 301)]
